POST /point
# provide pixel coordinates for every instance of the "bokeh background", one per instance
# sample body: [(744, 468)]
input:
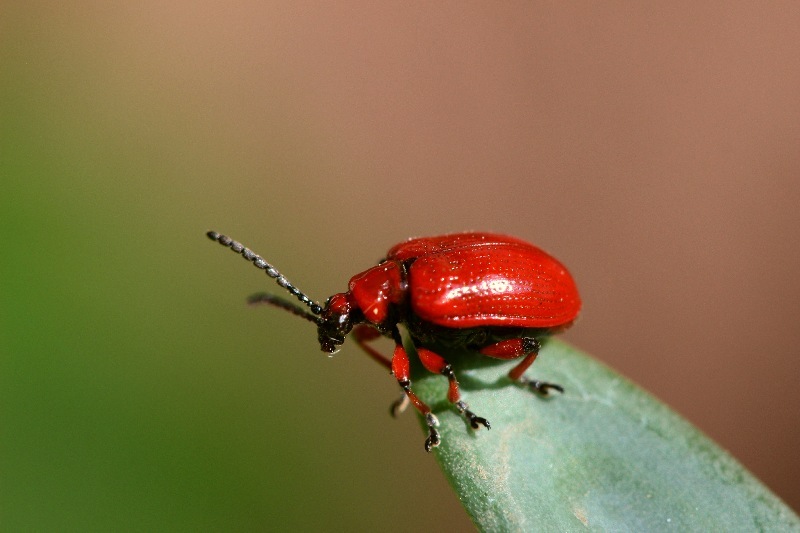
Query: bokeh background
[(652, 148)]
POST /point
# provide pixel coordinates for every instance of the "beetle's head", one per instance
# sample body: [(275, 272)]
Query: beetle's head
[(336, 321)]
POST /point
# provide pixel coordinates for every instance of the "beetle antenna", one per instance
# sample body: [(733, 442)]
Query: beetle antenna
[(270, 270), (283, 303)]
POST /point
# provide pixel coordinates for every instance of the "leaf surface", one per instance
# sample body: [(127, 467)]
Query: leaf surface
[(603, 456)]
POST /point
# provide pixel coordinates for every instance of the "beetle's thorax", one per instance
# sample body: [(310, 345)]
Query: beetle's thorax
[(374, 296)]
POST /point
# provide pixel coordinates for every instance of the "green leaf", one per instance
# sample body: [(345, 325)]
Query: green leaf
[(605, 455)]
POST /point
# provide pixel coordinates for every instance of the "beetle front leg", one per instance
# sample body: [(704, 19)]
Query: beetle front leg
[(401, 371), (363, 334), (513, 348), (436, 363)]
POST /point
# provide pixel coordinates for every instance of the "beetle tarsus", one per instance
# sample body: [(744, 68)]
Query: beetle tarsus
[(474, 420), (399, 405), (477, 421), (432, 441), (434, 438), (541, 387)]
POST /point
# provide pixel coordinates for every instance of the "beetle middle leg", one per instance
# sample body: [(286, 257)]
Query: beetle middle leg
[(513, 348), (439, 365)]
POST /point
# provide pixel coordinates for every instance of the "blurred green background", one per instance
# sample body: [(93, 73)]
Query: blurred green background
[(653, 151)]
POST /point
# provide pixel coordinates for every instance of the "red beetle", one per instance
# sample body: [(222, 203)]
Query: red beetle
[(491, 293)]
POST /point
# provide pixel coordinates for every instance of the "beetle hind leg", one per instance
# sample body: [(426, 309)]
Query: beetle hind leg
[(513, 348)]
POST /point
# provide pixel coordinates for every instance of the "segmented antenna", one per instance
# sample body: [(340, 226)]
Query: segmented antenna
[(283, 303), (270, 270)]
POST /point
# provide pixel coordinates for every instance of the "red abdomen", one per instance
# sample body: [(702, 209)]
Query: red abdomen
[(481, 279)]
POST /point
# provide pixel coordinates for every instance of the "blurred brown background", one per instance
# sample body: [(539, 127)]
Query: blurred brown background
[(653, 148)]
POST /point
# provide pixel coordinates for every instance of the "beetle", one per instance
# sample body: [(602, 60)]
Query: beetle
[(492, 293)]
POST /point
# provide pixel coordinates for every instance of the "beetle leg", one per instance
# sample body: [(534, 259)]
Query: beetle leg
[(437, 364), (362, 334), (401, 371), (513, 348), (399, 405)]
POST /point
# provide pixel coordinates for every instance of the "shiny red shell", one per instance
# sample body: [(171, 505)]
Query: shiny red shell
[(483, 279)]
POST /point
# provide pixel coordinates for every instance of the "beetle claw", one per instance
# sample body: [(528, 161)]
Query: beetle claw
[(477, 421), (474, 420), (434, 438), (399, 405), (541, 387)]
